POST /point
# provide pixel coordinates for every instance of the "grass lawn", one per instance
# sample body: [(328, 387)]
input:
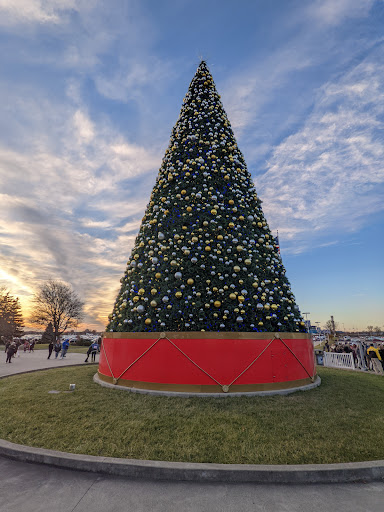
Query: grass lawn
[(335, 422)]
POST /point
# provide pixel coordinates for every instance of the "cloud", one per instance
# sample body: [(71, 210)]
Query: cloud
[(132, 78), (331, 12), (69, 210), (329, 175), (32, 11), (83, 126)]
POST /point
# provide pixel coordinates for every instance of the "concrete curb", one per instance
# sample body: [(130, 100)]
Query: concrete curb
[(195, 472), (288, 391)]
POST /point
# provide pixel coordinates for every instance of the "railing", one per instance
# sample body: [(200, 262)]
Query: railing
[(339, 360)]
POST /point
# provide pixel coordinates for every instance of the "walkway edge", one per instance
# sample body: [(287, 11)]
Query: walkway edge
[(195, 472)]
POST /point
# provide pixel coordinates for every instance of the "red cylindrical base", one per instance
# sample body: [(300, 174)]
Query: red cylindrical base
[(207, 362)]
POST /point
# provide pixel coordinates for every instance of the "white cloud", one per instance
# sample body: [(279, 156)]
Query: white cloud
[(329, 176), (333, 12), (32, 11), (132, 76), (83, 126), (93, 171)]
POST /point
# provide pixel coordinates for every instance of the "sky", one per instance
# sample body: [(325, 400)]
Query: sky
[(90, 91)]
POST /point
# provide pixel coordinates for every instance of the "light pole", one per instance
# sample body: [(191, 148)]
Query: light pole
[(307, 322)]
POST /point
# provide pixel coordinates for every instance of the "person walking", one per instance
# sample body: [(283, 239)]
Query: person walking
[(50, 349), (88, 353), (65, 348), (11, 350), (95, 349), (374, 354), (57, 348)]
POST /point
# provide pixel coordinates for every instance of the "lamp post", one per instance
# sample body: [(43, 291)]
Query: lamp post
[(307, 322)]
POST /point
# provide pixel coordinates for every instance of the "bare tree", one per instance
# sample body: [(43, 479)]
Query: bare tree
[(377, 330), (57, 303), (331, 326), (370, 329)]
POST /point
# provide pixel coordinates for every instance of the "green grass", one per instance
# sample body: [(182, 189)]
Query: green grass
[(336, 422)]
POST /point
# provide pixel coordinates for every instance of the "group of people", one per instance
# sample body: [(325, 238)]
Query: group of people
[(59, 348), (12, 347), (364, 354)]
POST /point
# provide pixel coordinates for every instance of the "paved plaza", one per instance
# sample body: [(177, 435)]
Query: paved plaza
[(37, 360)]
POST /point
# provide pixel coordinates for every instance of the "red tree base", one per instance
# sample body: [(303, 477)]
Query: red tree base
[(207, 362)]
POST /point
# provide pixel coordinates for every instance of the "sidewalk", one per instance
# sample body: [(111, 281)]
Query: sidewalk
[(37, 360)]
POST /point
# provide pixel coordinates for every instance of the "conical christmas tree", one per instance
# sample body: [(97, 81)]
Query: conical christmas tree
[(204, 258)]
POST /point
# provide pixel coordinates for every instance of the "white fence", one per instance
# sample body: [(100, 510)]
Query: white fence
[(336, 360)]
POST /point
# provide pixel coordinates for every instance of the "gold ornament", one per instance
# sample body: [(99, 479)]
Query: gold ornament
[(207, 248), (148, 321), (217, 303), (141, 291), (213, 211), (236, 268), (157, 275), (153, 303), (232, 296), (178, 295), (240, 298), (136, 298), (153, 291), (190, 281)]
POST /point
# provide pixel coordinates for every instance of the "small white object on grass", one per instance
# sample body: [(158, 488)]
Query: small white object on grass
[(72, 387)]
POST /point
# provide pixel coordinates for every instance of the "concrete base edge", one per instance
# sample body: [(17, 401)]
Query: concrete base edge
[(182, 471), (287, 391)]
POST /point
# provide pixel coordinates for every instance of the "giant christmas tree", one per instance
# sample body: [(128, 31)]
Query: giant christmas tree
[(204, 258)]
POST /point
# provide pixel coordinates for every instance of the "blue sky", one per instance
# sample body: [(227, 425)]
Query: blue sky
[(90, 91)]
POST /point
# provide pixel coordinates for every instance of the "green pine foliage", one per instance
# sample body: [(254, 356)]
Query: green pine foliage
[(48, 335), (204, 258), (11, 317)]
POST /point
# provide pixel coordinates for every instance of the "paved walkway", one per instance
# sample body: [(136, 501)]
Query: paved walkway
[(26, 487), (37, 360), (29, 488)]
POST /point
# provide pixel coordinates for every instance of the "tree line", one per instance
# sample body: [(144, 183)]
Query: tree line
[(55, 306)]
